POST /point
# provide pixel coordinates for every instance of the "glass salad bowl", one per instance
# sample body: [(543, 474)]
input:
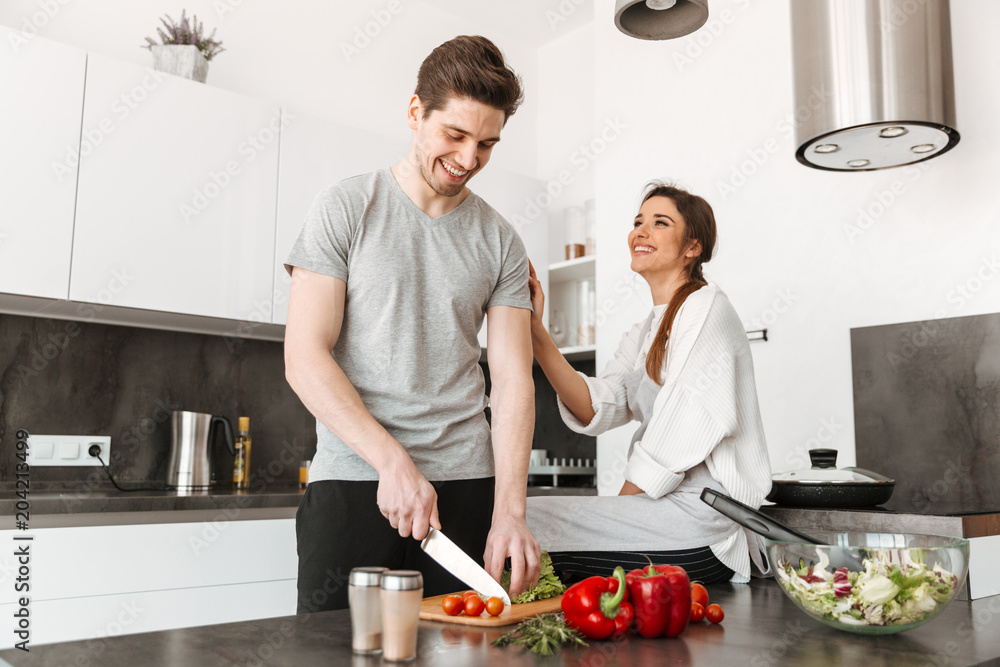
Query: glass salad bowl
[(871, 583)]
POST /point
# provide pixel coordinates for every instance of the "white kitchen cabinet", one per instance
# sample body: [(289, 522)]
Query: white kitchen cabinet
[(177, 195), (316, 153), (97, 581), (39, 143)]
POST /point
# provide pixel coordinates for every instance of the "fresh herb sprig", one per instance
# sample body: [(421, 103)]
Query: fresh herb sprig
[(542, 634)]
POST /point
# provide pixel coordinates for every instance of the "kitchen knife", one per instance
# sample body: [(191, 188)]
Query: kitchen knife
[(452, 558)]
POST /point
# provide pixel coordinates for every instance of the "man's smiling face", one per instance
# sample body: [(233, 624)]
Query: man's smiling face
[(454, 143)]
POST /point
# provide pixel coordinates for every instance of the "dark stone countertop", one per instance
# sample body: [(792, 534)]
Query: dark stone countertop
[(762, 627), (63, 499)]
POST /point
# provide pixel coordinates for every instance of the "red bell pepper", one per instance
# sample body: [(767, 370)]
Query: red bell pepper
[(598, 606), (662, 598)]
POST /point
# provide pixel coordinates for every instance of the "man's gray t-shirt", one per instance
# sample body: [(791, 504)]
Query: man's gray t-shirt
[(417, 292)]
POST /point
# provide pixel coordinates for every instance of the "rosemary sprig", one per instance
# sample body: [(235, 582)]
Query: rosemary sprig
[(542, 634)]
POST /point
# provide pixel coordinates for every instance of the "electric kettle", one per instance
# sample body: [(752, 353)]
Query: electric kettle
[(191, 438)]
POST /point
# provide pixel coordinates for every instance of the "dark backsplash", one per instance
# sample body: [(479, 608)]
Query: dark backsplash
[(927, 411), (60, 377), (74, 378)]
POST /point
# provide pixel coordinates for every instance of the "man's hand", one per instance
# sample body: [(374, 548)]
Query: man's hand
[(407, 499), (510, 536)]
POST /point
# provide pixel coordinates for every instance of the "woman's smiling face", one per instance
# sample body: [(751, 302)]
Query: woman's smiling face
[(658, 242)]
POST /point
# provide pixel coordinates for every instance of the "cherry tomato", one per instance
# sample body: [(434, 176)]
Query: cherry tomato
[(494, 606), (697, 612), (714, 613), (452, 605), (474, 605), (699, 594), (468, 594)]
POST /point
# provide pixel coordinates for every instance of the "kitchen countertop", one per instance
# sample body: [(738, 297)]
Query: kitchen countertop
[(762, 627), (57, 505), (879, 519)]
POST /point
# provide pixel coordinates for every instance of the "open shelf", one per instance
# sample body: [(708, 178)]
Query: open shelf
[(572, 269)]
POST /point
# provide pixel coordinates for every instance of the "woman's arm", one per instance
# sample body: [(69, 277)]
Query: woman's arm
[(570, 387), (588, 405)]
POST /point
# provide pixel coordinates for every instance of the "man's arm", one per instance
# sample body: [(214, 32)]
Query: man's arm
[(315, 316), (512, 406)]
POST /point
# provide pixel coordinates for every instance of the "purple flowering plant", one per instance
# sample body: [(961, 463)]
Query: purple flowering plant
[(186, 32)]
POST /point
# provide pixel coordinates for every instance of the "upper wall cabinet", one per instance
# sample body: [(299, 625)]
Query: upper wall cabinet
[(316, 153), (177, 195), (42, 84)]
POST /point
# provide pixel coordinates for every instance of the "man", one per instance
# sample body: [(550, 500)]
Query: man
[(392, 275)]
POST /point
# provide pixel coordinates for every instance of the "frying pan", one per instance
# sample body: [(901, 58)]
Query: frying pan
[(754, 520), (825, 485)]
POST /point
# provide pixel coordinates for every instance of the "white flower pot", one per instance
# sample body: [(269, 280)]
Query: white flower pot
[(181, 60)]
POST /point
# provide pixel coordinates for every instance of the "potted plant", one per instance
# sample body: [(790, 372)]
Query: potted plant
[(185, 50)]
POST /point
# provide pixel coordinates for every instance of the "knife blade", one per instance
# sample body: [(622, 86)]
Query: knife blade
[(460, 564)]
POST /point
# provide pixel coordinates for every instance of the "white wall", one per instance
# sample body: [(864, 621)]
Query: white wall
[(791, 250), (292, 53), (565, 125)]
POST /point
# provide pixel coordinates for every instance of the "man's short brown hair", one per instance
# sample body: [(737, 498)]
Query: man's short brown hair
[(468, 67)]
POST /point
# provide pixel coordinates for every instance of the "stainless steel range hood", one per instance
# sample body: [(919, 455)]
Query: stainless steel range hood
[(873, 82)]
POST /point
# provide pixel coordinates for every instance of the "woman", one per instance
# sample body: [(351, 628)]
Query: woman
[(686, 374)]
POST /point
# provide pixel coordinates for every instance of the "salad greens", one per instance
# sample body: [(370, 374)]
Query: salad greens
[(549, 585), (884, 593)]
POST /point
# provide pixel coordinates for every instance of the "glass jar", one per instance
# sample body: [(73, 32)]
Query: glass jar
[(364, 594), (576, 232), (590, 223), (585, 312), (402, 592)]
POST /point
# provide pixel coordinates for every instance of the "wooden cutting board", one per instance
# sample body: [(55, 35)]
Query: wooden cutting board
[(430, 610)]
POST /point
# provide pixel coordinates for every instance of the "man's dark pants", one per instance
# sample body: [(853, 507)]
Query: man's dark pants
[(338, 527)]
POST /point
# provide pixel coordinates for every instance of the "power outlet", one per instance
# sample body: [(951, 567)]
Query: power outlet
[(67, 450)]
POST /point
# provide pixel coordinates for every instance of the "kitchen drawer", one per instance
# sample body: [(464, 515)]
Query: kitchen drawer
[(99, 616), (109, 560)]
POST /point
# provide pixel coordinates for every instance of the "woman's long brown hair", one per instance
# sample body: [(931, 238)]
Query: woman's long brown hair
[(699, 225)]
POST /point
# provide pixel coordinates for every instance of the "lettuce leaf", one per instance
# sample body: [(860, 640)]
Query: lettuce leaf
[(549, 585)]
